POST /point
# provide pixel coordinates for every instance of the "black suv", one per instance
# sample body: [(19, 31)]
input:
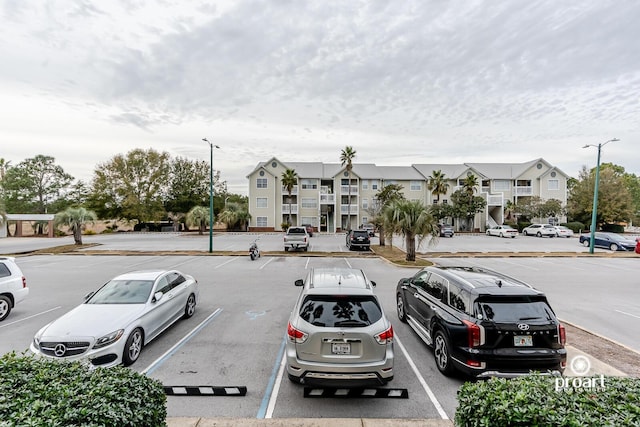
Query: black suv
[(482, 323), (358, 239)]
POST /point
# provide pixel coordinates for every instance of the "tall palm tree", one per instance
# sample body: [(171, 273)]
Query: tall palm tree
[(75, 219), (469, 186), (384, 197), (198, 216), (437, 184), (346, 158), (289, 180), (412, 220)]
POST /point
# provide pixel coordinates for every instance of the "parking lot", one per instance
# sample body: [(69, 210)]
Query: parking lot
[(237, 336)]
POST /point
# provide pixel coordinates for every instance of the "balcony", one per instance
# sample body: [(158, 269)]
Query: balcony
[(294, 190), (344, 189), (294, 209), (494, 200), (344, 209), (327, 199), (524, 191)]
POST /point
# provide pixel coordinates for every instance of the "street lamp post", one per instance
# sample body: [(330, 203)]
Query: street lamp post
[(211, 146), (594, 211)]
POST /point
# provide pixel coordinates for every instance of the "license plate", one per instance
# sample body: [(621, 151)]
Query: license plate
[(523, 341), (340, 348)]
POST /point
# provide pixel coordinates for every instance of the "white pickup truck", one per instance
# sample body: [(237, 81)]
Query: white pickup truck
[(296, 238)]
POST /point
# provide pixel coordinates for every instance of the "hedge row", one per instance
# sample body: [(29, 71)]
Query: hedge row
[(41, 392), (538, 400)]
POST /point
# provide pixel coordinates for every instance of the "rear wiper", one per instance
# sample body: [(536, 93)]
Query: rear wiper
[(350, 323), (529, 318)]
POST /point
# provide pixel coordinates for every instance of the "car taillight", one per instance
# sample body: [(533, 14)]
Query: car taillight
[(475, 334), (296, 335), (385, 337), (24, 282), (562, 334)]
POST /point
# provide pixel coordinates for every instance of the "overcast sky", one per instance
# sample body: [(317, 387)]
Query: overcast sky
[(402, 82)]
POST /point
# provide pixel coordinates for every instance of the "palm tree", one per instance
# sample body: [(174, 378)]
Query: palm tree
[(469, 185), (346, 158), (289, 180), (75, 219), (411, 219), (384, 197), (437, 184), (198, 215)]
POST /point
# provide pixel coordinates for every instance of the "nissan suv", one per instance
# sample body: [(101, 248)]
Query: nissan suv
[(482, 323), (338, 334), (13, 286)]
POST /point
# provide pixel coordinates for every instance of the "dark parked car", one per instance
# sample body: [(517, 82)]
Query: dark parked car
[(309, 228), (482, 323), (611, 241), (446, 230), (358, 239)]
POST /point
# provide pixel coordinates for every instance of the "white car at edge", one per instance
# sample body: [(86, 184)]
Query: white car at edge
[(114, 323), (13, 286), (502, 231)]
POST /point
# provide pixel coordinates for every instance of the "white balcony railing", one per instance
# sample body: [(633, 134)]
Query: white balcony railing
[(327, 199), (524, 191), (494, 200), (344, 189), (294, 190), (344, 209), (285, 209)]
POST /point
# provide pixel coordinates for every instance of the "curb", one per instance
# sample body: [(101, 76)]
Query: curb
[(306, 422)]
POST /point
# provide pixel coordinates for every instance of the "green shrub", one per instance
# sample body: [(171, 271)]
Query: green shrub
[(613, 228), (536, 400), (42, 392), (576, 226), (522, 225)]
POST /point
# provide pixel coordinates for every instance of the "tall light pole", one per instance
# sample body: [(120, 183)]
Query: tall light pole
[(594, 211), (210, 194)]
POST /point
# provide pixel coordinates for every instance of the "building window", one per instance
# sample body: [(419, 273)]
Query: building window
[(416, 186), (435, 201), (374, 185), (389, 182), (261, 221), (261, 202), (308, 202), (261, 183), (309, 220), (365, 203), (554, 184), (365, 184), (309, 184), (365, 220), (501, 185), (444, 201)]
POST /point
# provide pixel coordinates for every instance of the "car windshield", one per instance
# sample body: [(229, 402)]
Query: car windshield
[(339, 310), (123, 292), (515, 310)]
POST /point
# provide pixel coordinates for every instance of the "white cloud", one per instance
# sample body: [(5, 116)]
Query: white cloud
[(402, 82)]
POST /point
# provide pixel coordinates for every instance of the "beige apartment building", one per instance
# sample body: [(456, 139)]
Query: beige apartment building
[(325, 197)]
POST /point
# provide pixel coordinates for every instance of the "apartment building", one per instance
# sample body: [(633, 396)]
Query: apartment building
[(331, 200)]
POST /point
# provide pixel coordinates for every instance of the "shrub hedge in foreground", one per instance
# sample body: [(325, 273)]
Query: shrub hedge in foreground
[(40, 392), (538, 400)]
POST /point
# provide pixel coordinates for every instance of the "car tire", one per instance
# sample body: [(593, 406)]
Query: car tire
[(5, 307), (585, 242), (252, 256), (442, 354), (502, 235), (190, 307), (306, 248), (286, 249), (613, 247), (293, 378), (132, 348), (525, 232), (400, 306), (539, 234), (488, 234)]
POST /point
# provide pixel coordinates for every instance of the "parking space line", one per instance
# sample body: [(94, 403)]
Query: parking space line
[(225, 263), (628, 314), (266, 263), (29, 317), (273, 387), (160, 360), (422, 381), (347, 262)]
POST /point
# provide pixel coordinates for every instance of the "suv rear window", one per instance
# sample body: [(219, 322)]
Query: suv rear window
[(515, 310), (297, 231), (340, 310), (360, 233)]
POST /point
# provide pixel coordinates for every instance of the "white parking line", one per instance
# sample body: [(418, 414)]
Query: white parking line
[(348, 263), (29, 317), (266, 263), (628, 314), (422, 381), (225, 263), (276, 388)]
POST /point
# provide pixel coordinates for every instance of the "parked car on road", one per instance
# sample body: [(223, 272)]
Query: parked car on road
[(563, 231), (370, 228), (446, 230), (540, 230), (13, 286), (338, 334), (296, 238), (309, 229), (611, 241), (115, 322), (502, 231), (482, 323), (358, 239)]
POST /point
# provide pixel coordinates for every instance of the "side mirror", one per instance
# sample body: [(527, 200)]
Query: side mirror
[(157, 296), (299, 282), (89, 295), (373, 283)]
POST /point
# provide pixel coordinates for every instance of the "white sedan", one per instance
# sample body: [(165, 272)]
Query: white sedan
[(502, 231), (116, 321), (539, 230), (562, 231)]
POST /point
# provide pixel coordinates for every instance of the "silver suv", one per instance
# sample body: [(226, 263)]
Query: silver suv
[(338, 334), (13, 286)]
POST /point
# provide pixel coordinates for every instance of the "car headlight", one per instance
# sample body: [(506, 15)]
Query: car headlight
[(108, 339)]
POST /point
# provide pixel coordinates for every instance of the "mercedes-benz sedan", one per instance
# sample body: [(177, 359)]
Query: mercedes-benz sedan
[(115, 322)]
